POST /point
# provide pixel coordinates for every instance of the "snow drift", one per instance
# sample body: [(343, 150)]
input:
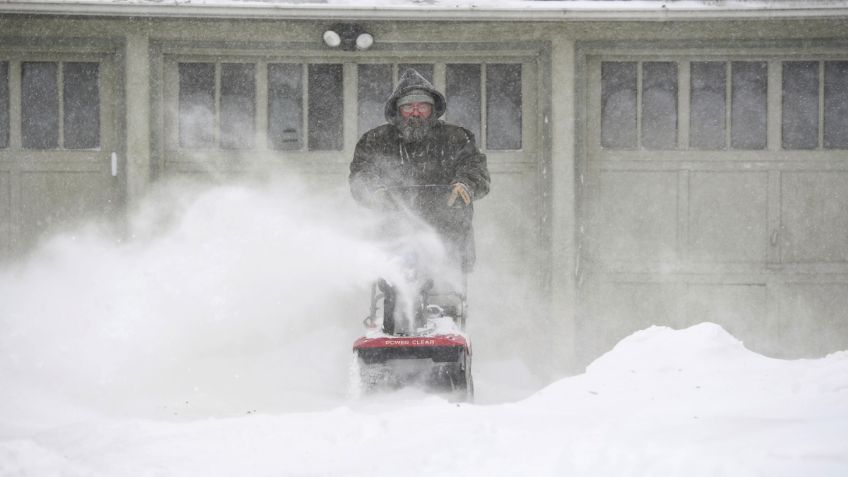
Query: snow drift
[(663, 402)]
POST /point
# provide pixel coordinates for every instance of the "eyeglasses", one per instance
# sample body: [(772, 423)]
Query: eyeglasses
[(423, 109)]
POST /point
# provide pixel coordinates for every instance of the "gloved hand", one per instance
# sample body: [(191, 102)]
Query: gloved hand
[(459, 190)]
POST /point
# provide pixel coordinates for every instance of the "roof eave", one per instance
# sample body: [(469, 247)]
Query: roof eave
[(419, 13)]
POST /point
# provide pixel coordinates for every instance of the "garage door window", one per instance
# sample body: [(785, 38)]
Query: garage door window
[(659, 105), (728, 104), (197, 104), (807, 99), (4, 104), (81, 105), (618, 104), (41, 97), (749, 105), (237, 105), (326, 108), (462, 89), (503, 107), (836, 104), (800, 104), (218, 106), (373, 88), (285, 106), (39, 105), (707, 111)]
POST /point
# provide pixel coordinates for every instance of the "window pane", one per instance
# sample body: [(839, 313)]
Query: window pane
[(503, 106), (197, 104), (749, 105), (285, 106), (424, 70), (836, 104), (618, 104), (238, 105), (39, 105), (81, 97), (463, 96), (708, 108), (659, 105), (800, 104), (4, 104), (375, 87), (326, 107)]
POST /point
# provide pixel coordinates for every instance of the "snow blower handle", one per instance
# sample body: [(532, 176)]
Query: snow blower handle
[(424, 197)]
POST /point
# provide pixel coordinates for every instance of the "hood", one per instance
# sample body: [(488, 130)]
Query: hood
[(409, 80)]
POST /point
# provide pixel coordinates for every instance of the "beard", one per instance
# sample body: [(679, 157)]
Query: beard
[(414, 130)]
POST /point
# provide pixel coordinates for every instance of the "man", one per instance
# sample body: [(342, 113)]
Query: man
[(415, 148)]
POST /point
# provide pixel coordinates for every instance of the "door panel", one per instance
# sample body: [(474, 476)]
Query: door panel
[(636, 217), (728, 219), (811, 317), (52, 201), (813, 214), (55, 182), (741, 228), (5, 213)]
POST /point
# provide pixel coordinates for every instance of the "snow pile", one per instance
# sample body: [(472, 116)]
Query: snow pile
[(692, 402), (696, 402)]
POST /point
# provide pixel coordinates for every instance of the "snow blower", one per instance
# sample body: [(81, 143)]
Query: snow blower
[(419, 339)]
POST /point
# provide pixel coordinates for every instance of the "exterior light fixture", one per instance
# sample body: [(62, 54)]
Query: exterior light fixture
[(348, 37), (332, 39), (364, 41)]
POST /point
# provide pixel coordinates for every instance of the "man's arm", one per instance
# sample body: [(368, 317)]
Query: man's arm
[(364, 178), (472, 169)]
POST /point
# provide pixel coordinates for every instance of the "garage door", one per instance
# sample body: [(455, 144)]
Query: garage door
[(57, 138), (715, 188), (296, 111), (302, 111)]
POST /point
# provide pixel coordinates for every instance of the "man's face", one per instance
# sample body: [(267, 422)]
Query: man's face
[(415, 120), (416, 110)]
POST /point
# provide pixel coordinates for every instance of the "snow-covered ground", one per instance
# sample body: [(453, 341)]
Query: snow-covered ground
[(208, 346), (663, 402)]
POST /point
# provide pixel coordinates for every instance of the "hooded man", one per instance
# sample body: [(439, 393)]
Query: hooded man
[(416, 148)]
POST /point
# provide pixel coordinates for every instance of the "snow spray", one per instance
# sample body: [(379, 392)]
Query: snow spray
[(222, 300)]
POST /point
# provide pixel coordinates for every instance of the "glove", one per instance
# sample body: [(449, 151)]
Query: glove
[(459, 190)]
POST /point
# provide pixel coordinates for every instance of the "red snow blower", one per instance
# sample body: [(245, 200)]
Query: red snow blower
[(419, 339)]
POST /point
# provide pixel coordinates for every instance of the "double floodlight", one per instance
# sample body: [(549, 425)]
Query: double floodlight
[(348, 37)]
